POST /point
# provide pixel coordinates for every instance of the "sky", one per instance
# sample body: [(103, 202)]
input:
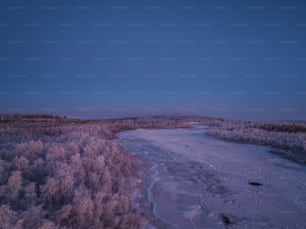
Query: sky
[(240, 59)]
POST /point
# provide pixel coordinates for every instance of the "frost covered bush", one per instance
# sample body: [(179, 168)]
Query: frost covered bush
[(288, 137), (64, 176)]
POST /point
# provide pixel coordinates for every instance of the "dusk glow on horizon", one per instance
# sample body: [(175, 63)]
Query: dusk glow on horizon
[(100, 59)]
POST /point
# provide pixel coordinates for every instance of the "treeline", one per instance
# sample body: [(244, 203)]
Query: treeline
[(283, 127), (65, 176)]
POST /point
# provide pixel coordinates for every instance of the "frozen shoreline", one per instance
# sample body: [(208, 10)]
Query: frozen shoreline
[(197, 181)]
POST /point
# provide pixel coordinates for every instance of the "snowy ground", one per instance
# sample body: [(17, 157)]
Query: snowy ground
[(196, 181)]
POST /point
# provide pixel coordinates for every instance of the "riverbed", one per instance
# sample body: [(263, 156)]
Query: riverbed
[(197, 181)]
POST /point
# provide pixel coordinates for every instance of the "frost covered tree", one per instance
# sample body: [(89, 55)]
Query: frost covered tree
[(64, 176), (14, 185), (7, 217)]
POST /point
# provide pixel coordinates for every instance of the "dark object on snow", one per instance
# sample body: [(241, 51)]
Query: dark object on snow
[(255, 183), (226, 220)]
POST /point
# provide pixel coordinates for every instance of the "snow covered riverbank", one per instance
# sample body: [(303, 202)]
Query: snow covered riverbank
[(197, 181)]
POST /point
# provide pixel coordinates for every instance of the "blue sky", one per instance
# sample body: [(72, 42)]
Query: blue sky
[(233, 59)]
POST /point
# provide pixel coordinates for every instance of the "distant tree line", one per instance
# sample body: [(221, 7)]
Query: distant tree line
[(289, 128)]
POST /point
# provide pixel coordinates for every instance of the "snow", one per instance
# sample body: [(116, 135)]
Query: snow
[(198, 181)]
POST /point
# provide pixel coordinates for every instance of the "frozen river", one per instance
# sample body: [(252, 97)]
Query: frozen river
[(196, 181)]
